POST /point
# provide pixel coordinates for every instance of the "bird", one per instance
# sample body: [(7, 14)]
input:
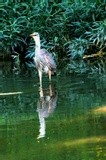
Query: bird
[(43, 59)]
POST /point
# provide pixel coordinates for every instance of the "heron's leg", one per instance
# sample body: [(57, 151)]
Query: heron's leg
[(41, 92), (49, 75), (40, 77), (50, 90)]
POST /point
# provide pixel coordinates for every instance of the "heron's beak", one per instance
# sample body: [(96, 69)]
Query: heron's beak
[(34, 34), (31, 35)]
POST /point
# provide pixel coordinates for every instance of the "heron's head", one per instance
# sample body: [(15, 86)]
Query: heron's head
[(36, 37), (35, 34)]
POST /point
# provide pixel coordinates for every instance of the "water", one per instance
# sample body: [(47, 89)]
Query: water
[(64, 121)]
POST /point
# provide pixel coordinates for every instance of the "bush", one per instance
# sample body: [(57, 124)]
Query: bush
[(65, 28)]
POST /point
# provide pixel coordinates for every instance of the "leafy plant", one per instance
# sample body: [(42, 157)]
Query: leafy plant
[(66, 28), (97, 34), (77, 47)]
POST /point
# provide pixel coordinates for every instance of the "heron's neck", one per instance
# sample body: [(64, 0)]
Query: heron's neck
[(37, 43)]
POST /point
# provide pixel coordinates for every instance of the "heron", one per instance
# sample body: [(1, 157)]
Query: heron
[(43, 59)]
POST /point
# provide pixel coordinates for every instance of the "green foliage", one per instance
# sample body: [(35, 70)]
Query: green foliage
[(97, 34), (14, 25), (77, 47), (66, 28)]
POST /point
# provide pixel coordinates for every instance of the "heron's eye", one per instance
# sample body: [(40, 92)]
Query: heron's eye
[(35, 34)]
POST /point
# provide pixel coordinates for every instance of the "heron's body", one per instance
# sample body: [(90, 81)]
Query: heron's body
[(43, 60)]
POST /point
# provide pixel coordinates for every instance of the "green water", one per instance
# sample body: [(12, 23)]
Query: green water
[(64, 121)]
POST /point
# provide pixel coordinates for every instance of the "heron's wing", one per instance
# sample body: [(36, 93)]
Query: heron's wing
[(47, 60)]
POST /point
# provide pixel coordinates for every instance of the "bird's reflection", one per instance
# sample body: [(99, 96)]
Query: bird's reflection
[(45, 107)]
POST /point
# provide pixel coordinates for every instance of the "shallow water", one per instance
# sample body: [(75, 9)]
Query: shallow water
[(64, 121)]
